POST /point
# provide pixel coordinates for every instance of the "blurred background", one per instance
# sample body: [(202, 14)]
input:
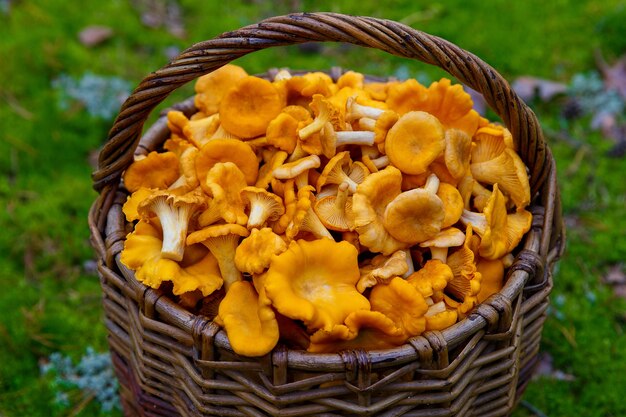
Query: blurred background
[(65, 68)]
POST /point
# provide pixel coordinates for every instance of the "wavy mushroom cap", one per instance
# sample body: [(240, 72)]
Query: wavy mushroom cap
[(211, 88), (457, 153), (303, 285), (452, 204), (249, 106), (402, 303), (431, 280), (250, 323), (415, 141), (156, 170), (381, 269), (224, 182), (227, 150), (255, 252), (369, 202)]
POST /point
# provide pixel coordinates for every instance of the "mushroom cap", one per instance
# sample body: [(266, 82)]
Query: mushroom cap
[(383, 124), (457, 153), (255, 252), (381, 269), (216, 231), (402, 303), (368, 205), (227, 150), (414, 142), (492, 273), (509, 172), (282, 132), (210, 88), (414, 216), (188, 179), (198, 271), (489, 142), (463, 267), (249, 106), (224, 183), (446, 238), (406, 96), (199, 131), (442, 318), (303, 285), (156, 170), (494, 243), (250, 324), (452, 204), (452, 106), (131, 206), (431, 280), (363, 329)]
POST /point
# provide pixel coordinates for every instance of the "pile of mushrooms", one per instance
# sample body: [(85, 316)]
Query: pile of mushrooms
[(328, 215)]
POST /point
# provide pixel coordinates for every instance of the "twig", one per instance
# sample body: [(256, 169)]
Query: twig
[(537, 412)]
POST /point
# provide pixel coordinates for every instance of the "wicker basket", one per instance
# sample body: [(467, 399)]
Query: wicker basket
[(170, 362)]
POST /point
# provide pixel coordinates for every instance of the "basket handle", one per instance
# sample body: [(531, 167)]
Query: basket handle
[(392, 37)]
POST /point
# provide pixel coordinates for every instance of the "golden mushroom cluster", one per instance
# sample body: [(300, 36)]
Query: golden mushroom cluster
[(328, 215)]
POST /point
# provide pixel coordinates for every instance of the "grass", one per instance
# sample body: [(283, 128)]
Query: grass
[(50, 298)]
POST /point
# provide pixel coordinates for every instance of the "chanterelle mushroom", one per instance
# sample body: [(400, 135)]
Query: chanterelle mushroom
[(250, 323), (227, 150), (381, 269), (304, 285), (335, 212), (414, 142), (415, 215), (222, 241), (157, 170), (224, 182), (174, 212), (264, 206), (210, 88), (255, 252), (402, 303), (248, 108), (369, 202)]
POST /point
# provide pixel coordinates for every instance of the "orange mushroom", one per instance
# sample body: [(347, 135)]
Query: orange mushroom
[(156, 170), (224, 182), (303, 285), (248, 107), (402, 303), (264, 206), (255, 252), (227, 150), (335, 212), (381, 269), (414, 142), (211, 88)]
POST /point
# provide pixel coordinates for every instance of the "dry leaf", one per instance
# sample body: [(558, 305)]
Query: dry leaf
[(616, 278), (530, 87), (94, 35)]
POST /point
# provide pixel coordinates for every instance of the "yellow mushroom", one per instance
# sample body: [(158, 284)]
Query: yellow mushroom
[(446, 238), (381, 269), (415, 215), (363, 329), (304, 285), (249, 106), (174, 212), (264, 206), (293, 169), (266, 172), (188, 179), (439, 317), (452, 204), (224, 183), (509, 172), (200, 131), (130, 207), (282, 132), (402, 303), (457, 153), (304, 218), (452, 106), (335, 212), (254, 253), (406, 96), (492, 277), (250, 323), (369, 202), (227, 150), (334, 172), (156, 170), (210, 88), (325, 112), (414, 142), (222, 241), (431, 280), (465, 283)]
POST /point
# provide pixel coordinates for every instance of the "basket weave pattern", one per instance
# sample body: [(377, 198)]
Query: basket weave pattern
[(173, 363)]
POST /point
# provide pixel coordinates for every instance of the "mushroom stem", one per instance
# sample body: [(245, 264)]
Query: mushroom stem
[(258, 214), (436, 308), (302, 180), (357, 137), (432, 184), (342, 196), (439, 253), (381, 162), (298, 153), (477, 220), (283, 74), (174, 221), (293, 169), (357, 111), (313, 224), (223, 248)]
